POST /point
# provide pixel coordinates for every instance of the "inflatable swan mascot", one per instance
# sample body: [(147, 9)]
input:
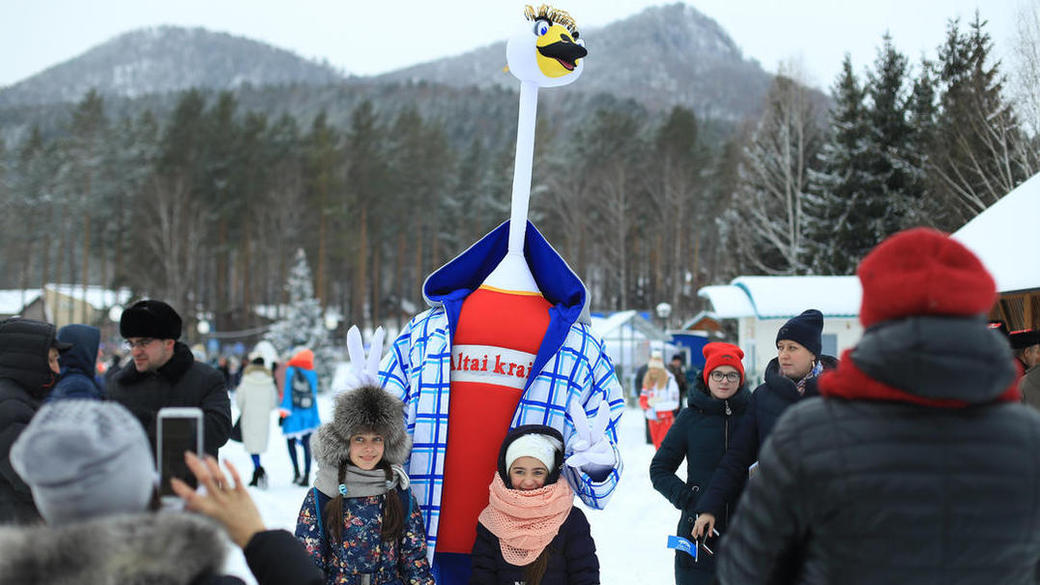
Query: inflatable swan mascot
[(506, 342)]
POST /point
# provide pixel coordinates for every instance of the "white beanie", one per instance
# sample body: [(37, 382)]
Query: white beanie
[(84, 459), (541, 447)]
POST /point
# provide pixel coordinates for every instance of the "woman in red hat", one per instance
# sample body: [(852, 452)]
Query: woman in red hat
[(916, 465), (700, 435), (789, 378)]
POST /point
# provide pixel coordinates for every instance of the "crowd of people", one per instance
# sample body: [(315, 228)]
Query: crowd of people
[(883, 466)]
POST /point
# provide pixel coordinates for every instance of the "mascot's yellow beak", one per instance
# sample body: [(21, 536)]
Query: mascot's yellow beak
[(558, 53)]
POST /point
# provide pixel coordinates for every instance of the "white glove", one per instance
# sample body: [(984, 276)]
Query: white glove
[(365, 368), (590, 447)]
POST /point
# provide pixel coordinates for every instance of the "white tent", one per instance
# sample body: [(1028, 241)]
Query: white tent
[(1006, 237)]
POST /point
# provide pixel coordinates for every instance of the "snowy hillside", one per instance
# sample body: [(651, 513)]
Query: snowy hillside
[(630, 534), (662, 56), (168, 58)]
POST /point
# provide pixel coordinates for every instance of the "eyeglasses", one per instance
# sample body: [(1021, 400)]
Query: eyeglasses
[(139, 344), (730, 377)]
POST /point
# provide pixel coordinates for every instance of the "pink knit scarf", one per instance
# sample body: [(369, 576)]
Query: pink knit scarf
[(525, 522)]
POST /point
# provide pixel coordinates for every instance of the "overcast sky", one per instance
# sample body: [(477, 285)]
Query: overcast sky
[(389, 34)]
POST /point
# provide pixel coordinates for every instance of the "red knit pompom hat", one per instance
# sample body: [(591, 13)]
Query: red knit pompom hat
[(722, 354), (922, 271)]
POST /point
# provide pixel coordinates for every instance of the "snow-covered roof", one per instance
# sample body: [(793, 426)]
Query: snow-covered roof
[(698, 317), (728, 302), (625, 324), (96, 296), (778, 297), (12, 301), (1005, 235)]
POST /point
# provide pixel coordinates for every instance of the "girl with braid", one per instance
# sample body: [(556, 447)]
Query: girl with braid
[(360, 522)]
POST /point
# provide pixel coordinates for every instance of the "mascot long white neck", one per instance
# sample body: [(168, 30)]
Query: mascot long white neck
[(547, 53)]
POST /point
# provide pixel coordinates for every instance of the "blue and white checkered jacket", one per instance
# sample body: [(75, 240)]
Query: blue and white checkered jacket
[(571, 365)]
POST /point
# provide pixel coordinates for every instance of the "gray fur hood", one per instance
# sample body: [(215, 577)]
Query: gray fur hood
[(153, 549), (367, 409)]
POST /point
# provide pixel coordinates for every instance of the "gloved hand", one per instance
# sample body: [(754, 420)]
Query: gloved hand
[(591, 450), (365, 368)]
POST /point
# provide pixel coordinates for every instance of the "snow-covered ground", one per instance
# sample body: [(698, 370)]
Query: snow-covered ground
[(630, 534)]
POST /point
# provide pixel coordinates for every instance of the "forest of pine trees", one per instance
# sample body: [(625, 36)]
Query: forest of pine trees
[(931, 145), (205, 203)]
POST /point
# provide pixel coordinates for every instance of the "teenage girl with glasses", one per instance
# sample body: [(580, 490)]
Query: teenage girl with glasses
[(701, 435)]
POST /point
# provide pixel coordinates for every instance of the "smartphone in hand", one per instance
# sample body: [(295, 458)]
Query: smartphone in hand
[(179, 429)]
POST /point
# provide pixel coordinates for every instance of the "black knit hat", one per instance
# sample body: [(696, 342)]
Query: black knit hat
[(805, 329), (520, 431), (1024, 338), (150, 318)]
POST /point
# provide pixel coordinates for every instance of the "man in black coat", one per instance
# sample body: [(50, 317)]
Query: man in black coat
[(28, 371), (164, 373), (917, 464)]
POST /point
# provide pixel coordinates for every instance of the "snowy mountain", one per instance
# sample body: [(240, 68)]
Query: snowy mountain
[(164, 59), (662, 56)]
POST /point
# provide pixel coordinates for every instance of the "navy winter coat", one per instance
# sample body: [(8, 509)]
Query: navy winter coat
[(700, 435), (572, 560), (78, 363), (866, 486), (768, 402)]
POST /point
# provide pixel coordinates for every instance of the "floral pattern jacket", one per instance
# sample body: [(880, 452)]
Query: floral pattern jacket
[(363, 558)]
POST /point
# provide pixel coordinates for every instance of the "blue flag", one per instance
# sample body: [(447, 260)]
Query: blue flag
[(680, 543)]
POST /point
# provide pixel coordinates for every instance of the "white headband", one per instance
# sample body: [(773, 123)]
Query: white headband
[(541, 447)]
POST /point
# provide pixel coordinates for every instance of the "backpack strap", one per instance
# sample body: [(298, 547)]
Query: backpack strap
[(321, 528), (406, 501)]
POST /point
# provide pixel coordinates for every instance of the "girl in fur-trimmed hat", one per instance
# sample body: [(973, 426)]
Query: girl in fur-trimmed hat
[(530, 531), (360, 522)]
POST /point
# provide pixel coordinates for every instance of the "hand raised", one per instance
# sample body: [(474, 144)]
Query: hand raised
[(227, 503), (590, 444)]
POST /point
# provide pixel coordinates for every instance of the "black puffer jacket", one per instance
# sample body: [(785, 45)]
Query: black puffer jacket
[(180, 382), (572, 562), (700, 435), (572, 552), (25, 379), (768, 402), (921, 472)]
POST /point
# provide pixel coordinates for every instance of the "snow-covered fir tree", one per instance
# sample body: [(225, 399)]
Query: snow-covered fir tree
[(839, 185), (895, 202), (304, 323), (871, 181)]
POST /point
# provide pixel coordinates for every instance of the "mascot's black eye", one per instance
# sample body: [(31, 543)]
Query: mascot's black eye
[(541, 27)]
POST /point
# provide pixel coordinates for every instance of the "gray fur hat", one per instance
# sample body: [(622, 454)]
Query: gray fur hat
[(366, 409)]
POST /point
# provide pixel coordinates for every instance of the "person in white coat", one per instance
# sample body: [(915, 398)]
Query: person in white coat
[(659, 398), (257, 396)]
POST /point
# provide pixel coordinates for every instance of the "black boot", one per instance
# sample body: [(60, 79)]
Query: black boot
[(304, 480), (256, 477), (261, 478)]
